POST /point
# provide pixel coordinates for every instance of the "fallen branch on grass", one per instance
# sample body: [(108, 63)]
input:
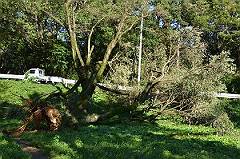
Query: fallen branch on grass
[(123, 90)]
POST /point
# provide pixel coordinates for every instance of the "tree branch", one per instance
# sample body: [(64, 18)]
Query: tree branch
[(112, 44), (54, 18), (90, 48), (72, 26), (122, 90), (153, 83)]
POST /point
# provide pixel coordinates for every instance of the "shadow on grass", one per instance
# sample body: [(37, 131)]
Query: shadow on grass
[(10, 150), (131, 141), (10, 116)]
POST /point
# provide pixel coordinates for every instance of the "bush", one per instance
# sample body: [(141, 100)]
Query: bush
[(232, 108), (233, 83), (189, 91), (223, 124)]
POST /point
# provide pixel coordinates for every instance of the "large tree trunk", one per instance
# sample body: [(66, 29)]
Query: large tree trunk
[(88, 74), (79, 104), (88, 89)]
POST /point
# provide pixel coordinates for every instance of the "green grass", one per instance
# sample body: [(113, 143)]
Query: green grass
[(135, 140), (10, 150), (165, 139), (10, 101), (10, 91)]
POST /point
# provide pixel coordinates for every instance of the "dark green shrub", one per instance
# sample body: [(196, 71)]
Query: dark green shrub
[(223, 124), (232, 107), (233, 83)]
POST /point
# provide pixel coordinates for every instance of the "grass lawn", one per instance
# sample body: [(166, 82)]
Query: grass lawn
[(135, 140), (10, 150), (165, 139)]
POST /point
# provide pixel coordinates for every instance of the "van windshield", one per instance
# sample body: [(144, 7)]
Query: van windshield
[(32, 71)]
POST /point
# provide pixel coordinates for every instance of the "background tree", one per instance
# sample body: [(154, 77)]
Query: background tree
[(30, 38)]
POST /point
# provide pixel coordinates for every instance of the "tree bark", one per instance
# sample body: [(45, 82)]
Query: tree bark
[(71, 28), (140, 51)]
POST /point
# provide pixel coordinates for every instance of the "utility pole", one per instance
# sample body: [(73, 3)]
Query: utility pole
[(140, 51)]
